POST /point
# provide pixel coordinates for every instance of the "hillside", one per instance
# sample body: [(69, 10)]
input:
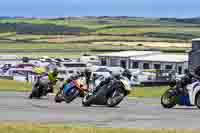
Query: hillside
[(97, 33)]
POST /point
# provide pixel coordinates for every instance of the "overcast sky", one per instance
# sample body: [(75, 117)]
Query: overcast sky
[(143, 8)]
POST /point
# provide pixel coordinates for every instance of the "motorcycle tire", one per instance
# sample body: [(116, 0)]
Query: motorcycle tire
[(197, 100), (168, 99), (58, 98), (35, 93), (111, 103), (87, 100), (90, 98), (72, 97), (30, 96)]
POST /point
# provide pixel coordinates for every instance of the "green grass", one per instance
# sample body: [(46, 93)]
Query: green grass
[(91, 24), (85, 39), (148, 91), (132, 26), (114, 30), (51, 54), (58, 128), (139, 30), (6, 34), (31, 46), (9, 85)]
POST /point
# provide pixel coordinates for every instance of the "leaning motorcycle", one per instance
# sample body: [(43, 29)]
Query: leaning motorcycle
[(109, 93), (72, 89), (183, 92), (39, 90)]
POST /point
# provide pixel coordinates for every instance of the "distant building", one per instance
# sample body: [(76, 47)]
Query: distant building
[(10, 59), (161, 61), (122, 59), (145, 60), (89, 59)]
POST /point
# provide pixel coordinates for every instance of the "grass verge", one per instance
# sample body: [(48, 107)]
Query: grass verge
[(10, 85), (53, 128), (156, 91)]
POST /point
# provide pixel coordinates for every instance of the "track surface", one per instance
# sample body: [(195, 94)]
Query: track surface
[(141, 113)]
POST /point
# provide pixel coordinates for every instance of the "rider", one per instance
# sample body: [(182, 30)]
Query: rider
[(47, 80), (189, 78), (126, 73), (52, 77), (87, 74), (196, 73)]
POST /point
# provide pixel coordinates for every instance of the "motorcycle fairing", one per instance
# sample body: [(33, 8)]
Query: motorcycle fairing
[(193, 89), (68, 87), (184, 100)]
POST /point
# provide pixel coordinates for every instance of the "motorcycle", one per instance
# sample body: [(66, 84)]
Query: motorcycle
[(183, 92), (42, 86), (73, 88), (109, 92), (39, 90)]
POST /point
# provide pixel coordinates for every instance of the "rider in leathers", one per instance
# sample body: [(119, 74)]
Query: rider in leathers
[(189, 78), (126, 74), (47, 80)]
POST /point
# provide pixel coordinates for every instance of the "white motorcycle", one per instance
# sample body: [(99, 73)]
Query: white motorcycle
[(188, 96)]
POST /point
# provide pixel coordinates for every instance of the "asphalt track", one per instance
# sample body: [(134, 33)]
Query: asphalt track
[(132, 113)]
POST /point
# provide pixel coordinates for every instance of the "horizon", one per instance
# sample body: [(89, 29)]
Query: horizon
[(57, 17)]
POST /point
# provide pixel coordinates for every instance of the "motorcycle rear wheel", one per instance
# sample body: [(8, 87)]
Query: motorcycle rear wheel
[(168, 99), (35, 93)]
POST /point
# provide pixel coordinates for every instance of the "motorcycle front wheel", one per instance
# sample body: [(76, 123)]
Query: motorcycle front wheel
[(71, 96), (116, 98), (87, 100), (58, 98), (168, 99), (197, 100)]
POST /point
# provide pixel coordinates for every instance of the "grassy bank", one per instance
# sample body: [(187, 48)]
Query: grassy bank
[(49, 54), (87, 34), (148, 91), (50, 128), (10, 85)]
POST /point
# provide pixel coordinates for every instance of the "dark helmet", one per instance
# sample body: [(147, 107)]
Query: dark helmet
[(55, 72), (88, 72), (116, 75), (127, 74)]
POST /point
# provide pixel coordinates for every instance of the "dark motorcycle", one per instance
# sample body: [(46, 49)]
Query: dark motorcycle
[(109, 92), (39, 90)]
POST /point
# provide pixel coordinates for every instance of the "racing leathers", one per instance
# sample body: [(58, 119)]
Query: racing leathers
[(47, 81)]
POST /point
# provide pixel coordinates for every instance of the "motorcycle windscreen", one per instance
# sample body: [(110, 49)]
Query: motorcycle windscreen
[(126, 84), (68, 87)]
